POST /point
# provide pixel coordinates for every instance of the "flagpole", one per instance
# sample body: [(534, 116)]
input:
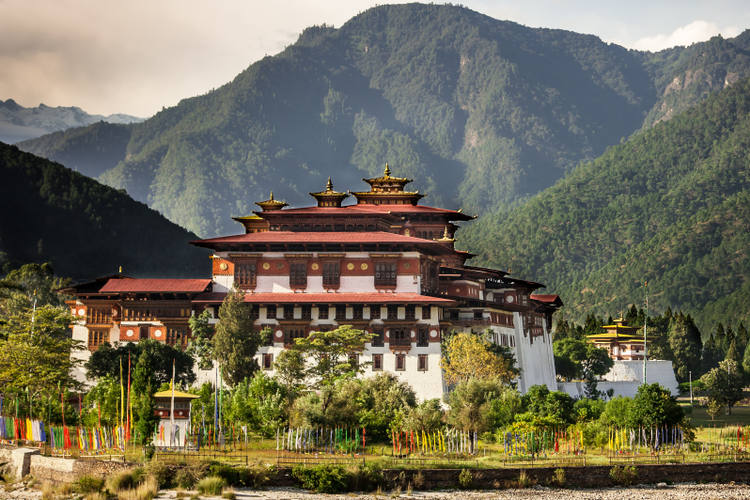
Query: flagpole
[(645, 321), (171, 409)]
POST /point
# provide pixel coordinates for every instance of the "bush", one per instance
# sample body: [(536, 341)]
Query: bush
[(560, 477), (211, 485), (465, 478), (523, 480), (121, 481), (144, 491), (229, 474), (625, 476), (366, 478), (321, 478), (88, 484), (163, 474)]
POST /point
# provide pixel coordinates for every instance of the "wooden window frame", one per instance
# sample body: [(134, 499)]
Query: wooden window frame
[(422, 365), (400, 359), (249, 278), (298, 274), (267, 361), (423, 336), (386, 274), (323, 311), (377, 362), (331, 274), (379, 339)]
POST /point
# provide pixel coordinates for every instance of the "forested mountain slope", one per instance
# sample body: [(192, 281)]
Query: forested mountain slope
[(478, 111), (671, 206), (51, 213)]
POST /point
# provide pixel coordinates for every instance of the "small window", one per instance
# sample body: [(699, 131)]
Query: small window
[(293, 332), (423, 336), (422, 362), (385, 274), (331, 274), (271, 311), (306, 312), (245, 274), (410, 313), (96, 338), (298, 274), (254, 311), (374, 312), (377, 362), (357, 312), (478, 314), (288, 311), (425, 312), (323, 312), (267, 361), (378, 339), (400, 336), (392, 312), (340, 313), (400, 362)]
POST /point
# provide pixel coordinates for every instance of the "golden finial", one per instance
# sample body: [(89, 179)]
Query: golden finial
[(329, 184), (387, 171), (271, 197), (445, 232)]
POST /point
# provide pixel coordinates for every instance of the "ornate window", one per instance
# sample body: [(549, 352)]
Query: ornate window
[(377, 362), (400, 336), (293, 332), (426, 312), (267, 361), (298, 274), (423, 336), (271, 311), (245, 274), (331, 274), (400, 362), (422, 362), (378, 339), (385, 274), (97, 337), (357, 311), (323, 311), (374, 312), (410, 313)]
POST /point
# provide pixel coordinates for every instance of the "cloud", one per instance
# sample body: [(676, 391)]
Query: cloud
[(696, 31)]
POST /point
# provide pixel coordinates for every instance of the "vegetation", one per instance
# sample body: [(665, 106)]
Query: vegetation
[(466, 355), (668, 206), (85, 229), (479, 111)]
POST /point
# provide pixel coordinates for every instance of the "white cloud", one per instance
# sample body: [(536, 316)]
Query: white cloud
[(696, 31)]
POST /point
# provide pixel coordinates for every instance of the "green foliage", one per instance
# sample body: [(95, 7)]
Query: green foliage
[(260, 403), (625, 475), (321, 478), (88, 484), (156, 357), (724, 384), (49, 210), (578, 358), (201, 345), (466, 355), (478, 110), (427, 415), (616, 412), (654, 406), (211, 485), (472, 405), (554, 406), (685, 344), (669, 205), (586, 409), (465, 478), (236, 340)]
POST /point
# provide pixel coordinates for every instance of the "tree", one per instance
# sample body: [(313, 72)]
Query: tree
[(466, 356), (554, 406), (427, 415), (21, 287), (35, 353), (236, 340), (158, 358), (746, 360), (470, 403), (711, 354), (734, 354), (201, 345), (617, 411), (576, 358), (260, 403), (103, 402), (654, 406), (142, 397), (290, 372), (724, 384), (383, 402), (328, 354), (685, 343)]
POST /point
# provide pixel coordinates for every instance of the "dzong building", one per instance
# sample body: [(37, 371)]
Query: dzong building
[(384, 263)]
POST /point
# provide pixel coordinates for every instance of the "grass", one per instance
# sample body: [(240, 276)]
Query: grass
[(211, 485), (147, 490), (740, 416)]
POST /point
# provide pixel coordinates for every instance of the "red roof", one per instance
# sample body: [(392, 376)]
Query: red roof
[(365, 208), (331, 298), (155, 285), (274, 237), (547, 299)]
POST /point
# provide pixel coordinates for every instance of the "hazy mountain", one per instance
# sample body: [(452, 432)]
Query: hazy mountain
[(479, 112), (671, 206), (18, 123), (51, 213)]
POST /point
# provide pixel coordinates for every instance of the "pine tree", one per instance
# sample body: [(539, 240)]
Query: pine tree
[(684, 341), (746, 360), (734, 353), (720, 339), (711, 355), (742, 337)]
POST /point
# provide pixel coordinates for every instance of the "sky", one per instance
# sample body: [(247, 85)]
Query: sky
[(138, 56)]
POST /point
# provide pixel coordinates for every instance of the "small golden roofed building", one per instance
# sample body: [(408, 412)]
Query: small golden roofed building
[(621, 341)]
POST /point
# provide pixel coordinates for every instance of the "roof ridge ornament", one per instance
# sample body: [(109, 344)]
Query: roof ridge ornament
[(387, 171)]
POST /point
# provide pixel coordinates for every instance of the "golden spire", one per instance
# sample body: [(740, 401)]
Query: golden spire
[(329, 184), (271, 197), (271, 204), (387, 171), (446, 237)]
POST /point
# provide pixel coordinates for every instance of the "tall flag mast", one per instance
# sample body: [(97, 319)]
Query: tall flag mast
[(645, 321)]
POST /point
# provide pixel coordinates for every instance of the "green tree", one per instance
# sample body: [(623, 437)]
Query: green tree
[(383, 401), (616, 411), (711, 354), (103, 402), (35, 353), (724, 384), (290, 372), (29, 284), (555, 407), (260, 403), (685, 343), (201, 343), (427, 415), (236, 340), (142, 397), (746, 361), (467, 355), (734, 354), (654, 406), (470, 403)]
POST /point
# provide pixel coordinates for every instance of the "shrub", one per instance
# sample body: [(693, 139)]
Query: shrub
[(149, 450), (211, 485), (560, 477), (229, 474), (163, 474), (465, 478), (88, 484), (625, 476), (523, 480), (365, 478), (146, 490), (321, 478), (121, 481)]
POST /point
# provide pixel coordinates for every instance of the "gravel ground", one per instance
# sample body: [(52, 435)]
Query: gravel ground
[(680, 491)]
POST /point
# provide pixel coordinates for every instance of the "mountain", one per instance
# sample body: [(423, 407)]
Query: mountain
[(480, 112), (51, 213), (671, 206), (18, 123)]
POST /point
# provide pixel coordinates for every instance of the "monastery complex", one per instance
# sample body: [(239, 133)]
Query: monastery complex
[(385, 264)]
